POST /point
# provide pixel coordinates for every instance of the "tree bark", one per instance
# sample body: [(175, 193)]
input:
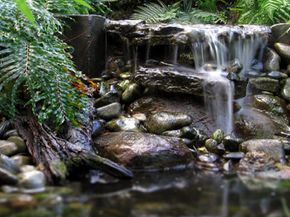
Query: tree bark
[(58, 156)]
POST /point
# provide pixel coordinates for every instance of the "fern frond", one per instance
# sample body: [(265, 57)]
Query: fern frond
[(35, 67), (156, 12), (199, 16)]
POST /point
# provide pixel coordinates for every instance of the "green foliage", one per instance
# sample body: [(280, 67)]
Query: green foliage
[(156, 12), (35, 69), (159, 12), (199, 16), (263, 11)]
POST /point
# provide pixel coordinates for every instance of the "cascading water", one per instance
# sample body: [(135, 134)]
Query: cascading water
[(212, 54)]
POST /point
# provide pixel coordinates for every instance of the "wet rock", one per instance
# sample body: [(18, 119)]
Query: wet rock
[(7, 178), (286, 90), (8, 148), (143, 151), (4, 127), (164, 121), (272, 105), (280, 32), (98, 127), (250, 124), (123, 124), (232, 144), (8, 164), (277, 75), (271, 60), (173, 133), (21, 146), (21, 160), (264, 84), (125, 75), (174, 103), (140, 116), (218, 135), (27, 168), (123, 85), (208, 158), (211, 145), (132, 92), (32, 181), (110, 111), (108, 98), (234, 156), (197, 136), (10, 133), (233, 76), (235, 67), (271, 147), (283, 50), (170, 80), (254, 74)]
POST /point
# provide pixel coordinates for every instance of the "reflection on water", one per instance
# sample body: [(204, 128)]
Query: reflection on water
[(167, 194)]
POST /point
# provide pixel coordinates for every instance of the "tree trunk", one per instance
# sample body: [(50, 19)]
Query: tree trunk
[(57, 156)]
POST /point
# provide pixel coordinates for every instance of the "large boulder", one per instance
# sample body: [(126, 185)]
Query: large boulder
[(283, 50), (281, 33), (171, 80), (143, 151)]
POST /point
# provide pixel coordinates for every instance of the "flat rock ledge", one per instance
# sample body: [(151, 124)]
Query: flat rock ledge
[(143, 151), (171, 80)]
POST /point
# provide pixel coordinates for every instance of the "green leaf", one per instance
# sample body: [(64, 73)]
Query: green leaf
[(24, 8), (83, 3)]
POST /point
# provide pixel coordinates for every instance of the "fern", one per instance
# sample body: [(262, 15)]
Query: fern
[(35, 69), (263, 11), (200, 16), (156, 12)]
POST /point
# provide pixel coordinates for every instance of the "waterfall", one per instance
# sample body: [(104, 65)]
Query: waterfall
[(212, 54)]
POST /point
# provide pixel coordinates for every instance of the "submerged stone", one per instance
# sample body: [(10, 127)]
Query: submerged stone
[(143, 151), (208, 158), (164, 121), (271, 147)]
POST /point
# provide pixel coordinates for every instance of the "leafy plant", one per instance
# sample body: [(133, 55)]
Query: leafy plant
[(36, 72), (159, 12), (263, 11), (156, 12)]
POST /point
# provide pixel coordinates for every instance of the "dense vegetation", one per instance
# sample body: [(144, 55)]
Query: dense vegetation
[(36, 70)]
